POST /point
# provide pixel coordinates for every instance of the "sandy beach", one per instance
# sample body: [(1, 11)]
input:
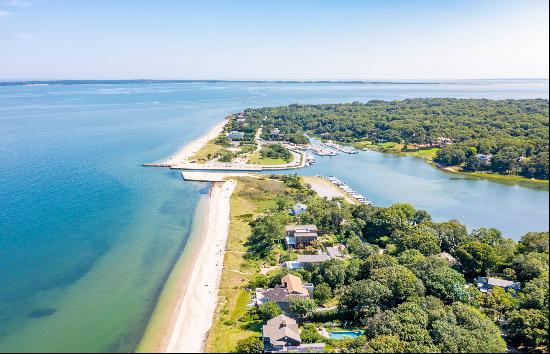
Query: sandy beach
[(193, 316), (185, 311), (192, 148)]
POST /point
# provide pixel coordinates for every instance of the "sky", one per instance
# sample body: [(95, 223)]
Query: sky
[(273, 39)]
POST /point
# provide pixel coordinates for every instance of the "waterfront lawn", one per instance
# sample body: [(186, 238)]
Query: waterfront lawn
[(250, 197), (209, 149), (426, 154), (256, 158)]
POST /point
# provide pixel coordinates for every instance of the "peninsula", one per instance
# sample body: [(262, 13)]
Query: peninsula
[(347, 257)]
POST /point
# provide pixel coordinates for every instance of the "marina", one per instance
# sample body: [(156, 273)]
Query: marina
[(331, 148), (348, 190)]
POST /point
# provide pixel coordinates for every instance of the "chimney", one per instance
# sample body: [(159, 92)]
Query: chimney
[(283, 323)]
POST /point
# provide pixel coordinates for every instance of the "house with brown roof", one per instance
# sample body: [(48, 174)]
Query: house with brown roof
[(291, 285), (300, 235)]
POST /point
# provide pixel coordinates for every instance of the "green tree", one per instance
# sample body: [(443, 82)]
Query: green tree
[(528, 328), (476, 258), (363, 298), (266, 232), (535, 294), (498, 303), (421, 238), (534, 242), (451, 234), (490, 236), (302, 307), (251, 344), (530, 266), (402, 283), (334, 272), (440, 280), (268, 310), (376, 261), (386, 344), (322, 293), (384, 221), (309, 334)]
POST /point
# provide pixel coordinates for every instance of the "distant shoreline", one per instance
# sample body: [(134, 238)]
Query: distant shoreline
[(370, 82)]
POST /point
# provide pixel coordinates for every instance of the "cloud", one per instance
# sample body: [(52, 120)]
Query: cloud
[(25, 36), (4, 14), (21, 3)]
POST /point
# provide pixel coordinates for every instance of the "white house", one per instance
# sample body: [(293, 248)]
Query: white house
[(235, 135)]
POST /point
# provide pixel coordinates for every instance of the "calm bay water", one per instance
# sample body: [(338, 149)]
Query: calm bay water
[(87, 236)]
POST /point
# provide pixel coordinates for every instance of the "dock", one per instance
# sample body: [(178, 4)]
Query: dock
[(348, 190)]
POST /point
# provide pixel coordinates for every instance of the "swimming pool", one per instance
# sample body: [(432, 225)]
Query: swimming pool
[(345, 334)]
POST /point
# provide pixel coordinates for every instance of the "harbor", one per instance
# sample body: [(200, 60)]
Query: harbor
[(331, 148), (348, 190)]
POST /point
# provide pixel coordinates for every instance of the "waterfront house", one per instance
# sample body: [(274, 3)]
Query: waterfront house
[(307, 261), (300, 235), (235, 135), (298, 209), (442, 141), (279, 333), (291, 285), (484, 157), (487, 283)]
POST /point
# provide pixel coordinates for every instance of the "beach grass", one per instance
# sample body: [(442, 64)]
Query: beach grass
[(210, 148), (250, 197)]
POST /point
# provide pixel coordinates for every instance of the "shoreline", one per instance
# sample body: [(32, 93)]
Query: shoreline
[(183, 154), (493, 177), (184, 313)]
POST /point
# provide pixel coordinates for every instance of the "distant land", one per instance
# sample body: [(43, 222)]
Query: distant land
[(370, 82)]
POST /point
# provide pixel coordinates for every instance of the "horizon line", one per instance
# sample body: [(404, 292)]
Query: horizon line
[(5, 82)]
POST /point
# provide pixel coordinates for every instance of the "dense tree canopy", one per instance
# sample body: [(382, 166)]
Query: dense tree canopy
[(395, 282), (513, 133)]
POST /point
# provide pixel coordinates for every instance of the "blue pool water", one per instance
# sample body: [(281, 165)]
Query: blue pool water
[(345, 334), (88, 236)]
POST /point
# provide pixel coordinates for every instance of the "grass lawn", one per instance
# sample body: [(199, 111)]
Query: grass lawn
[(257, 159), (250, 197), (512, 178), (209, 148), (427, 154)]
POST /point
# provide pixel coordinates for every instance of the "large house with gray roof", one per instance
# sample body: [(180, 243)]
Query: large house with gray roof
[(281, 334), (300, 235)]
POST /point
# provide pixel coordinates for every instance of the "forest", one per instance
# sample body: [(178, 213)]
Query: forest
[(508, 137), (395, 284)]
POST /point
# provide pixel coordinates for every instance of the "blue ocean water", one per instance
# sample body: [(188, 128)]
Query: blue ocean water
[(88, 236)]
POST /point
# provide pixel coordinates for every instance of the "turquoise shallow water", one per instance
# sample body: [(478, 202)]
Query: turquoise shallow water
[(87, 236)]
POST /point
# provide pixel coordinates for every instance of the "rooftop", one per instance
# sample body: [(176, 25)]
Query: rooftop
[(294, 285), (313, 258), (336, 251), (301, 228), (279, 328)]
